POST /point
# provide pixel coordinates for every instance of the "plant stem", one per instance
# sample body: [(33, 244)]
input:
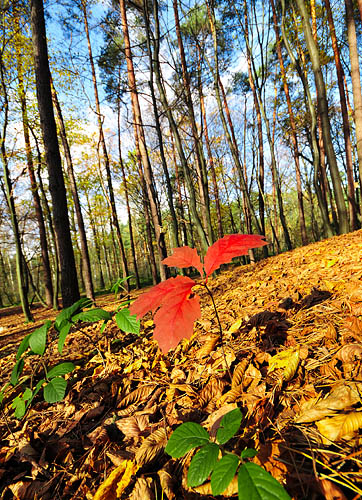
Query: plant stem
[(220, 330)]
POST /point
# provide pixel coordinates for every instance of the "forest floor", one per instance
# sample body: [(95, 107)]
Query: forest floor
[(125, 397)]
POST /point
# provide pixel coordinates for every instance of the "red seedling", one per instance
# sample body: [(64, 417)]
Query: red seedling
[(178, 307)]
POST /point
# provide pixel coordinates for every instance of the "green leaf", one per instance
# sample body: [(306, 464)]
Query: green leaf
[(24, 344), (61, 369), (256, 483), (248, 453), (19, 406), (63, 335), (187, 436), (37, 389), (38, 338), (229, 425), (92, 315), (127, 322), (16, 372), (27, 394), (202, 464), (66, 314), (54, 391), (224, 472)]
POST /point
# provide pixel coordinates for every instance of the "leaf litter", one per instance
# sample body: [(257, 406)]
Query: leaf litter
[(293, 342)]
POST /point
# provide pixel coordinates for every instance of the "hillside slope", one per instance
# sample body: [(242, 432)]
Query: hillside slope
[(303, 417)]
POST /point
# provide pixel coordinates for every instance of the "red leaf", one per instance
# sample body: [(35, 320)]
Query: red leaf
[(184, 257), (175, 320), (161, 293), (232, 245)]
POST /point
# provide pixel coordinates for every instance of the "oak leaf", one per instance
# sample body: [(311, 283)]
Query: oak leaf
[(185, 257), (228, 247)]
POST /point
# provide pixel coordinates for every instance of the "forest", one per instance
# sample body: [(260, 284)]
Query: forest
[(142, 141)]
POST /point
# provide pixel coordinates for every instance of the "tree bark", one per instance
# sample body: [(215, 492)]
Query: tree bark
[(69, 282), (352, 207), (137, 118), (356, 79), (323, 111), (200, 159), (48, 285), (111, 199), (303, 230), (85, 260)]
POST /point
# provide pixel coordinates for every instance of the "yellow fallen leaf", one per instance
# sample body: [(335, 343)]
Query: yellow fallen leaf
[(341, 396), (116, 482), (148, 323), (287, 361), (340, 427), (330, 262), (136, 365), (235, 326)]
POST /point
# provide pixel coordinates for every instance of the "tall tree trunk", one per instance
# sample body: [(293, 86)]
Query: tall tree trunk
[(96, 242), (137, 118), (208, 147), (323, 110), (174, 225), (230, 136), (69, 282), (276, 177), (102, 141), (315, 150), (85, 260), (200, 158), (125, 187), (352, 206), (48, 285), (356, 78), (178, 143), (303, 230)]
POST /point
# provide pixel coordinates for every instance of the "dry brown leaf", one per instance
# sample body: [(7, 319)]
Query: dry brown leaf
[(213, 389), (141, 393), (143, 489), (231, 396), (151, 447), (239, 372), (212, 422), (207, 346), (343, 395), (166, 482), (340, 427), (252, 378), (330, 490), (350, 352)]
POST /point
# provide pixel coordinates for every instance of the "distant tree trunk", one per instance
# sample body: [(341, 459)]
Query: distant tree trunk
[(20, 269), (230, 136), (185, 167), (85, 261), (303, 230), (96, 242), (137, 118), (48, 285), (179, 195), (111, 199), (174, 225), (125, 187), (356, 78), (323, 110), (276, 177), (49, 220), (220, 230), (352, 206), (315, 150), (69, 282), (200, 159)]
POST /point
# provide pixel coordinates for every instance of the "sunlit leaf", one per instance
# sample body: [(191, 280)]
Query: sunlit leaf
[(223, 473)]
